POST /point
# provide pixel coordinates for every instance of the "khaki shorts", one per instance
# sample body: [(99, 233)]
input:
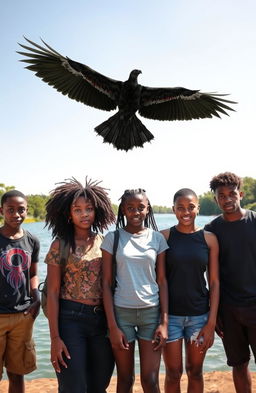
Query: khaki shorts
[(17, 348)]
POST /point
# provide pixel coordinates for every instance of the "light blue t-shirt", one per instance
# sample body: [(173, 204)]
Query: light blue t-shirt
[(136, 267)]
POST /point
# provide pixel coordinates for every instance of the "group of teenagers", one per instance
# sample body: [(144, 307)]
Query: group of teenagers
[(162, 289)]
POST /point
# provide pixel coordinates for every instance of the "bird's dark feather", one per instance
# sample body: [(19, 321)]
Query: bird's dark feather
[(71, 78), (179, 103), (124, 134), (124, 130)]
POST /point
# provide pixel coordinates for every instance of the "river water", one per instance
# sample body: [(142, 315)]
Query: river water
[(215, 358)]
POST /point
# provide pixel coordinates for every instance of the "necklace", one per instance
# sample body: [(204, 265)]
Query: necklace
[(83, 245)]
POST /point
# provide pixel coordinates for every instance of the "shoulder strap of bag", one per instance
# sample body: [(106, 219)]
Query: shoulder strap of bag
[(115, 245), (64, 252)]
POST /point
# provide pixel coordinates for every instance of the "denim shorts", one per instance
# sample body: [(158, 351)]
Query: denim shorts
[(138, 323), (185, 327)]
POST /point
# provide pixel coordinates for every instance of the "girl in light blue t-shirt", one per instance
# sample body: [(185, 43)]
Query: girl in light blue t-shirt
[(139, 306)]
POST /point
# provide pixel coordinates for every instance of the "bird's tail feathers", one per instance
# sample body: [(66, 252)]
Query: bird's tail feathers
[(123, 134)]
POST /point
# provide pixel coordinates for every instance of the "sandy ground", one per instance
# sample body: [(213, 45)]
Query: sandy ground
[(215, 382)]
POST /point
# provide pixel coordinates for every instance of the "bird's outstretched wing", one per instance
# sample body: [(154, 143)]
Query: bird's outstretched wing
[(71, 78), (178, 103)]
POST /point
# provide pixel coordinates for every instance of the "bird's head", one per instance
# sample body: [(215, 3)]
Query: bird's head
[(134, 74)]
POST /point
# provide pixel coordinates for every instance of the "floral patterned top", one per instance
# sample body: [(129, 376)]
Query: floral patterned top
[(81, 279)]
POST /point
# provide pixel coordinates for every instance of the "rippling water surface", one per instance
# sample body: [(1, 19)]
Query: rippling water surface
[(215, 358)]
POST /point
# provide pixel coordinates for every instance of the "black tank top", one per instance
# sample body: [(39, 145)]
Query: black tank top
[(186, 263)]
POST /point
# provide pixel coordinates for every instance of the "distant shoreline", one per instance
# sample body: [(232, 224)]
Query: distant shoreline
[(31, 220)]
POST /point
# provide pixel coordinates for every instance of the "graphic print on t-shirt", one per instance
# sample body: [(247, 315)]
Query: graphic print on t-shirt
[(13, 262)]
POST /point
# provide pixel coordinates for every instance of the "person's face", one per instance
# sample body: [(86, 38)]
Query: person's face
[(14, 211), (186, 208), (228, 199), (135, 209), (82, 213)]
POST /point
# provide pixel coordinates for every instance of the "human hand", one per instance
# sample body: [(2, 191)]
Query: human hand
[(219, 327), (33, 309), (205, 338), (58, 348), (118, 339), (160, 337)]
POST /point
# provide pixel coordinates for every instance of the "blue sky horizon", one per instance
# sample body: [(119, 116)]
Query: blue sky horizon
[(46, 137)]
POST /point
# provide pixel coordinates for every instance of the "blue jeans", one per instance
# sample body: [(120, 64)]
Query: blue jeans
[(187, 327), (83, 329)]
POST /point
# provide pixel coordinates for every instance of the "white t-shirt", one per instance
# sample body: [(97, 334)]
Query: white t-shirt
[(136, 267)]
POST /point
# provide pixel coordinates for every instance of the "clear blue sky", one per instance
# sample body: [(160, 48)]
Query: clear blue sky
[(200, 44)]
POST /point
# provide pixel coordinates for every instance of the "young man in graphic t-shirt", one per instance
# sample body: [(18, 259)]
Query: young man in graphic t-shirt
[(19, 297), (236, 233)]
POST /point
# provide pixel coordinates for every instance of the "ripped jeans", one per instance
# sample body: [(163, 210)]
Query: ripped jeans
[(186, 327)]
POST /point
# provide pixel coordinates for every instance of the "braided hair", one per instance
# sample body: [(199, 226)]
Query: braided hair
[(149, 220), (64, 195)]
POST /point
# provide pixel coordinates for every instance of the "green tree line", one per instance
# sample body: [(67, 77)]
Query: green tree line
[(36, 203), (208, 206)]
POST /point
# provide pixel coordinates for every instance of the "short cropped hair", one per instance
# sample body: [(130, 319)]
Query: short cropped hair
[(226, 179), (184, 192), (11, 194)]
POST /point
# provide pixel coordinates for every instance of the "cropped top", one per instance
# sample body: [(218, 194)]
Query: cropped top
[(82, 274)]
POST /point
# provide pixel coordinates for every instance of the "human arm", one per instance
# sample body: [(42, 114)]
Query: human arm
[(34, 307), (207, 332), (161, 333), (219, 327), (58, 348), (116, 336), (166, 233)]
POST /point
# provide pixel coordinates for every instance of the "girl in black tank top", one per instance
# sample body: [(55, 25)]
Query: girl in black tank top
[(192, 253)]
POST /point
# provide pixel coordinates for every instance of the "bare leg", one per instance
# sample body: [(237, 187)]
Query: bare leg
[(194, 367), (125, 368), (16, 383), (172, 354), (242, 378), (149, 367)]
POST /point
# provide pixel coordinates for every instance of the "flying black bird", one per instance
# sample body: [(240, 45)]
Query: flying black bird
[(124, 130)]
